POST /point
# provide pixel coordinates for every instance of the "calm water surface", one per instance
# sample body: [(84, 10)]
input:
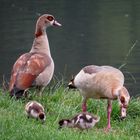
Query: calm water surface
[(99, 32)]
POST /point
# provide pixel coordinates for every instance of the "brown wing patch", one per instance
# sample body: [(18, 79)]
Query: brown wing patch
[(36, 107), (27, 68), (91, 69), (24, 80), (21, 61), (37, 63)]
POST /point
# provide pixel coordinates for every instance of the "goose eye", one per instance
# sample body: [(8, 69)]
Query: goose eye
[(50, 18)]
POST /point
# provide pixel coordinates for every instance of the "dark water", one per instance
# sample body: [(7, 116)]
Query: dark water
[(100, 32)]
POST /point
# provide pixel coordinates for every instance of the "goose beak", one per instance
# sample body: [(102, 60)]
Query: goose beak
[(123, 113), (71, 86), (56, 23)]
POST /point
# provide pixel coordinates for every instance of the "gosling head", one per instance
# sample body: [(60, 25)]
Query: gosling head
[(42, 117), (65, 123), (35, 110)]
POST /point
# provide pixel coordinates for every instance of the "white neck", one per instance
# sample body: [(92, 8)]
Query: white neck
[(41, 44)]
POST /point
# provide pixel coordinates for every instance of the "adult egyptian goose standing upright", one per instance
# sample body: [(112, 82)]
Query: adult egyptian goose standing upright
[(37, 66), (102, 82)]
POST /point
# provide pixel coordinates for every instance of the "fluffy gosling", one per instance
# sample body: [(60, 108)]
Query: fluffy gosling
[(81, 121), (35, 110)]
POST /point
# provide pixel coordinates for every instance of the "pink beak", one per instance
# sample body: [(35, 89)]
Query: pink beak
[(123, 112), (56, 23)]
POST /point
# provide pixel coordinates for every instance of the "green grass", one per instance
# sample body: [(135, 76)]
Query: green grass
[(61, 103)]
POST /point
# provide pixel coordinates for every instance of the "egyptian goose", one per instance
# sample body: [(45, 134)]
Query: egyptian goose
[(82, 121), (35, 67), (102, 82), (35, 110)]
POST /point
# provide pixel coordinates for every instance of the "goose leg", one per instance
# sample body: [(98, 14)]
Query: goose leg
[(84, 106), (109, 110), (40, 90)]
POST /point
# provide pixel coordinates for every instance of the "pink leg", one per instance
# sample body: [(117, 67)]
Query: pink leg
[(109, 109), (84, 107)]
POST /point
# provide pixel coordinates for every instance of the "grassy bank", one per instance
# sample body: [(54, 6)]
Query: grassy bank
[(62, 103)]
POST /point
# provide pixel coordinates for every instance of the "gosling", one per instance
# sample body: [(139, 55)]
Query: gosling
[(81, 121), (35, 110)]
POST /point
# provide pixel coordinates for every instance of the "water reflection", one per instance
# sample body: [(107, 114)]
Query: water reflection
[(96, 32)]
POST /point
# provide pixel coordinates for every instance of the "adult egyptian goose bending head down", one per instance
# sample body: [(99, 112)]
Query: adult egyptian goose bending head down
[(37, 66), (102, 82), (35, 110), (81, 121)]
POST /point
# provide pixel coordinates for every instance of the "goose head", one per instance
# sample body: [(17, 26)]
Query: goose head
[(45, 21), (123, 99)]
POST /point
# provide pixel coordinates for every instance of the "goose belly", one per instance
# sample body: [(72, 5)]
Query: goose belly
[(45, 77), (100, 85)]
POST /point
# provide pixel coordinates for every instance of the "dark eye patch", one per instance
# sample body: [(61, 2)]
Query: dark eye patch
[(50, 18), (122, 100)]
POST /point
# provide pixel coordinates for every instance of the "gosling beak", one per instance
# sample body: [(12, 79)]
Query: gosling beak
[(43, 121), (60, 127)]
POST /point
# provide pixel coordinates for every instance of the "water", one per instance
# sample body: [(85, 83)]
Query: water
[(99, 32)]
